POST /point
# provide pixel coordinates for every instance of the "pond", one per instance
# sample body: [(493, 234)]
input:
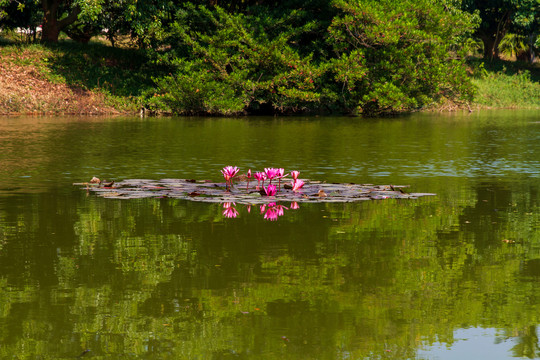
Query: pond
[(451, 276)]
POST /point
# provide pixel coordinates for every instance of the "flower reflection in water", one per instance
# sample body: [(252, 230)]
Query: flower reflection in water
[(229, 210), (271, 211), (271, 214)]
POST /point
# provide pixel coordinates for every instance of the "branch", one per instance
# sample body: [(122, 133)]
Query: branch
[(70, 19)]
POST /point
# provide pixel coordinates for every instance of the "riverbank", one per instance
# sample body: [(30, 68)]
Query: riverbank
[(93, 79), (70, 78), (506, 85)]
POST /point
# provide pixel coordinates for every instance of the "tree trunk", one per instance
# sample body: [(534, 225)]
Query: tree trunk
[(51, 25), (531, 56), (492, 34), (50, 30), (491, 47)]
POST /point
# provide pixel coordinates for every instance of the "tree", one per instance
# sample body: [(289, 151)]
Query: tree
[(526, 22), (24, 14), (53, 22), (500, 16), (397, 55), (230, 64), (57, 15)]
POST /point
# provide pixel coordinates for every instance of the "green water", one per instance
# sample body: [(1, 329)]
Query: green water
[(454, 276)]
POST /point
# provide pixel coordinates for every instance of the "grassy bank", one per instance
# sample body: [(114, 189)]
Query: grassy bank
[(71, 78), (506, 84)]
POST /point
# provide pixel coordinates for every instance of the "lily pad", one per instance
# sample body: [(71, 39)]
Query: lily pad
[(206, 191)]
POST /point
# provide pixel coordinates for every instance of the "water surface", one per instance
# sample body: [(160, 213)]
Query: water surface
[(450, 277)]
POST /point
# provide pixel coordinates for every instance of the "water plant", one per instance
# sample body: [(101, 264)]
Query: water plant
[(270, 190), (297, 184), (229, 172), (260, 178), (270, 173), (248, 177)]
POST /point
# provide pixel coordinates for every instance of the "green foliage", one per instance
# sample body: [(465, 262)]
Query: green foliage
[(376, 57), (505, 86), (498, 17), (26, 14), (395, 56), (260, 57), (513, 44), (196, 92), (229, 60)]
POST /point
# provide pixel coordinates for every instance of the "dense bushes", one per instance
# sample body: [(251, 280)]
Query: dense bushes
[(394, 56), (370, 57), (227, 64), (296, 56)]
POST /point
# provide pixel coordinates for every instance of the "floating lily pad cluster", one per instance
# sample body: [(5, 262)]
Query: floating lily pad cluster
[(240, 189)]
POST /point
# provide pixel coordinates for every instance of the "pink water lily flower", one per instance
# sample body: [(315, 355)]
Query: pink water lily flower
[(294, 205), (248, 176), (270, 190), (228, 173), (297, 184), (280, 174), (295, 174), (260, 177), (271, 173)]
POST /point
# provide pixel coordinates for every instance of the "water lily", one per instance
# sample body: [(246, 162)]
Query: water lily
[(294, 205), (248, 175), (295, 174), (229, 172), (270, 190), (297, 184), (280, 174), (271, 173), (260, 177)]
